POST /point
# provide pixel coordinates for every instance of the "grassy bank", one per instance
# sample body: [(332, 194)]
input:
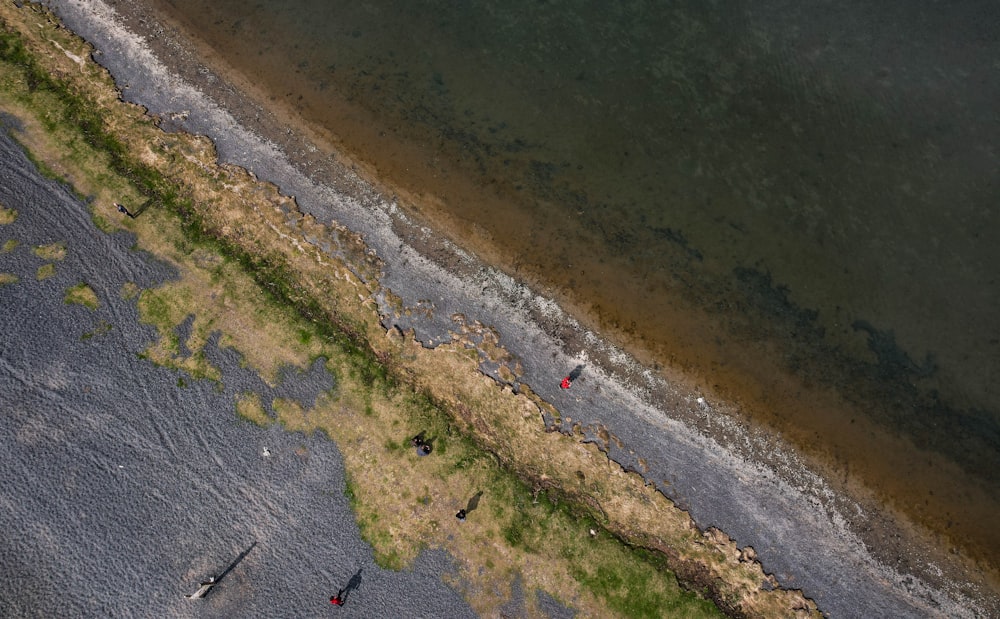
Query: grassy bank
[(553, 514)]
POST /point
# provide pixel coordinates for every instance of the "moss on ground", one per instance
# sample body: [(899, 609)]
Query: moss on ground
[(7, 215), (553, 514), (82, 294), (45, 271), (129, 291), (52, 251), (101, 328), (249, 407)]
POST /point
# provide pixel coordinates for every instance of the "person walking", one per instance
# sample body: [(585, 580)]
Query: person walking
[(123, 210), (473, 504), (341, 598), (567, 382)]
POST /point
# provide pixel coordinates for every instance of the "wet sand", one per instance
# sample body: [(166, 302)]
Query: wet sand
[(714, 492)]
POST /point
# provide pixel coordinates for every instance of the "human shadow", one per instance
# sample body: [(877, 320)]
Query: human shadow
[(236, 562), (577, 371), (206, 586), (352, 584), (142, 207), (473, 504), (135, 211)]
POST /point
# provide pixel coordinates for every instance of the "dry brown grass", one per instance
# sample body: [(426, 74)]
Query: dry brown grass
[(7, 215), (45, 271), (249, 406), (82, 294), (52, 251)]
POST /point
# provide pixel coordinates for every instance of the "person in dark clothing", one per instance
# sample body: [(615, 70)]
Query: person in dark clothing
[(338, 600), (422, 445), (473, 504), (123, 210)]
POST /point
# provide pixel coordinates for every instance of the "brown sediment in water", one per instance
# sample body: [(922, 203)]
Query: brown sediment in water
[(674, 323)]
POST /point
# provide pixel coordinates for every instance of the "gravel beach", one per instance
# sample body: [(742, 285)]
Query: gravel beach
[(126, 490), (123, 490)]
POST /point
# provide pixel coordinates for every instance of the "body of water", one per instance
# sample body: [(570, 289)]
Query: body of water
[(794, 204)]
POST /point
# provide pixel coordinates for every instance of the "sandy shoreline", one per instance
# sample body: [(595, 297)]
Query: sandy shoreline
[(709, 486)]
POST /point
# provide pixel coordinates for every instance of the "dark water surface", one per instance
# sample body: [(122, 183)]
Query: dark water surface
[(796, 203)]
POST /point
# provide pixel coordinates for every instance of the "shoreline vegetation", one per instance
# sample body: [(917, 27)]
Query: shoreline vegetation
[(555, 513)]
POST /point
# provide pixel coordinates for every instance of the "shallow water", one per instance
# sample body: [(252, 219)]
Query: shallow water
[(788, 202)]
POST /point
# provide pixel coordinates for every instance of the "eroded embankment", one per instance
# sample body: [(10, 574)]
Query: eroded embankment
[(247, 255)]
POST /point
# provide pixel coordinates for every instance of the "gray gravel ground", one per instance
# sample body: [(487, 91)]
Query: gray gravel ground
[(121, 490)]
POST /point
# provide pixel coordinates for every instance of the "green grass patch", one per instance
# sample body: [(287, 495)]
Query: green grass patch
[(45, 170), (8, 278), (305, 336), (634, 588), (102, 328), (81, 294), (162, 309), (250, 407), (129, 291), (351, 492), (52, 251), (7, 215), (45, 271), (166, 308), (9, 245)]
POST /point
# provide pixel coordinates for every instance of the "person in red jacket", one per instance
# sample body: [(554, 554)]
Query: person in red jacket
[(341, 598), (575, 374)]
